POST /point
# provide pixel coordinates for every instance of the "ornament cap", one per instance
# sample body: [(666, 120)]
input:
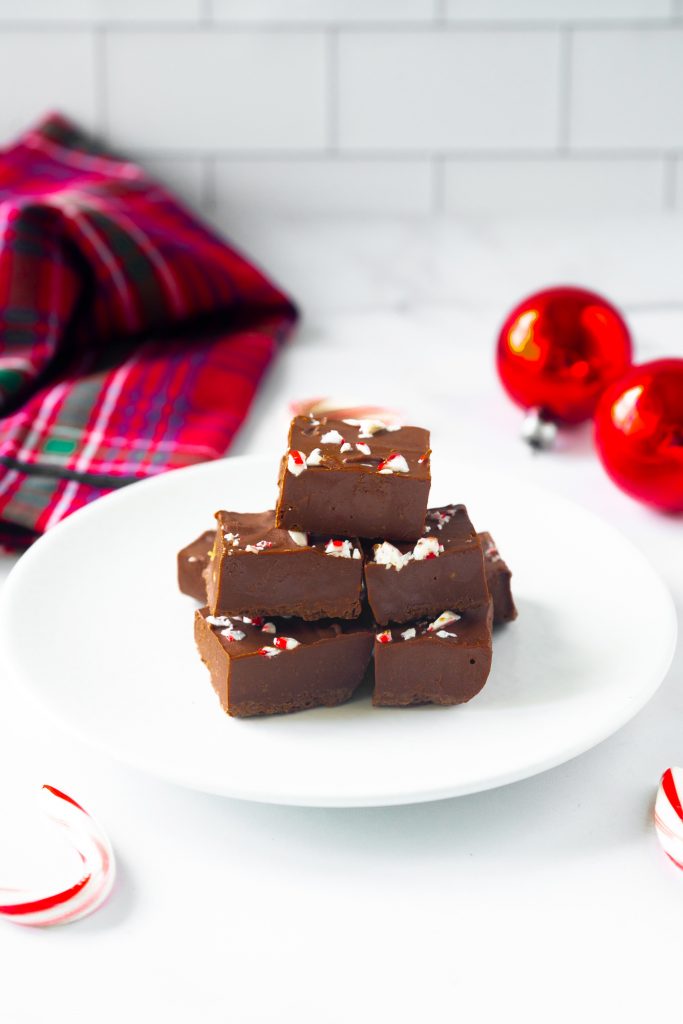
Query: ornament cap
[(538, 431)]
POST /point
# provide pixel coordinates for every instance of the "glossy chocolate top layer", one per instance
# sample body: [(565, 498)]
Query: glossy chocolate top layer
[(242, 635), (256, 533), (368, 446), (471, 627)]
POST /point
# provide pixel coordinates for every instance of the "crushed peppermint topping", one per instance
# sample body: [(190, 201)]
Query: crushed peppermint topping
[(363, 448), (439, 518), (491, 552), (296, 462), (268, 627), (259, 546), (387, 554), (444, 635), (427, 547), (332, 437), (219, 620), (408, 634), (315, 458), (192, 558), (346, 447), (367, 428), (390, 556), (394, 463), (444, 619), (423, 458), (384, 637), (285, 643), (232, 538), (268, 652), (299, 538), (257, 620), (339, 548), (356, 553), (233, 634)]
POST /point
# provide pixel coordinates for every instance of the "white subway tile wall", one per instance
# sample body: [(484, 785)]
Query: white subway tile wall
[(367, 107)]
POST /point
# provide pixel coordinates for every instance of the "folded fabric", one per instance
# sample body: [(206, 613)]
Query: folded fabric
[(132, 338)]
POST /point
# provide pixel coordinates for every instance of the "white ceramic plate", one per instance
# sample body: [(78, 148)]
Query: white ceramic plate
[(92, 625)]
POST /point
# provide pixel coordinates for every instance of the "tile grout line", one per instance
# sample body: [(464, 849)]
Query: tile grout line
[(438, 184), (332, 91), (101, 105), (669, 183), (207, 17), (565, 82), (208, 192)]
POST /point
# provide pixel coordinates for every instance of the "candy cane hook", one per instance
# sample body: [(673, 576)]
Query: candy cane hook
[(91, 888)]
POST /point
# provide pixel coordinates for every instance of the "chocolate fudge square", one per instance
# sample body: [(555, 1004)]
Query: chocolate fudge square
[(259, 569), (443, 569), (445, 660), (192, 561), (354, 478), (498, 578), (272, 666)]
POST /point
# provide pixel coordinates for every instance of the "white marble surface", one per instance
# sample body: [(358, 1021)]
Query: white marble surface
[(546, 900)]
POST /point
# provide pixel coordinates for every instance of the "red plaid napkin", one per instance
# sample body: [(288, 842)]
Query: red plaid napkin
[(132, 339)]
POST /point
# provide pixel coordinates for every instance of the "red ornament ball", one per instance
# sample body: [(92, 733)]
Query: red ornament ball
[(639, 433), (559, 349)]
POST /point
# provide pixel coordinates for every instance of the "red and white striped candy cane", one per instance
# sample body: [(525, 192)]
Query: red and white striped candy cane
[(91, 888), (669, 814)]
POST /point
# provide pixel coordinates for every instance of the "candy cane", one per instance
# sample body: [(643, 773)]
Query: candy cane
[(90, 890), (669, 814)]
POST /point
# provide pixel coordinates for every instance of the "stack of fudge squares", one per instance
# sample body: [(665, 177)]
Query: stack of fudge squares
[(350, 568)]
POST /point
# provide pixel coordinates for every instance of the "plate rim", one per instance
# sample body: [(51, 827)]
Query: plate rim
[(20, 678)]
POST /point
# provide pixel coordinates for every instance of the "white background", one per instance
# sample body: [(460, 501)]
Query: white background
[(546, 900), (400, 107)]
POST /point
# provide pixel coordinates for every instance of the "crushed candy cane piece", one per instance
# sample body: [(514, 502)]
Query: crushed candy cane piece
[(668, 814), (367, 428), (332, 437), (409, 634), (96, 877), (389, 555), (363, 448), (219, 620), (444, 619), (257, 620), (315, 458), (491, 552), (444, 635), (427, 547), (394, 463), (384, 637), (268, 627), (192, 558), (346, 447), (299, 538), (423, 458), (356, 553), (339, 548), (259, 546), (285, 643), (296, 462), (439, 518), (233, 634), (268, 652)]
